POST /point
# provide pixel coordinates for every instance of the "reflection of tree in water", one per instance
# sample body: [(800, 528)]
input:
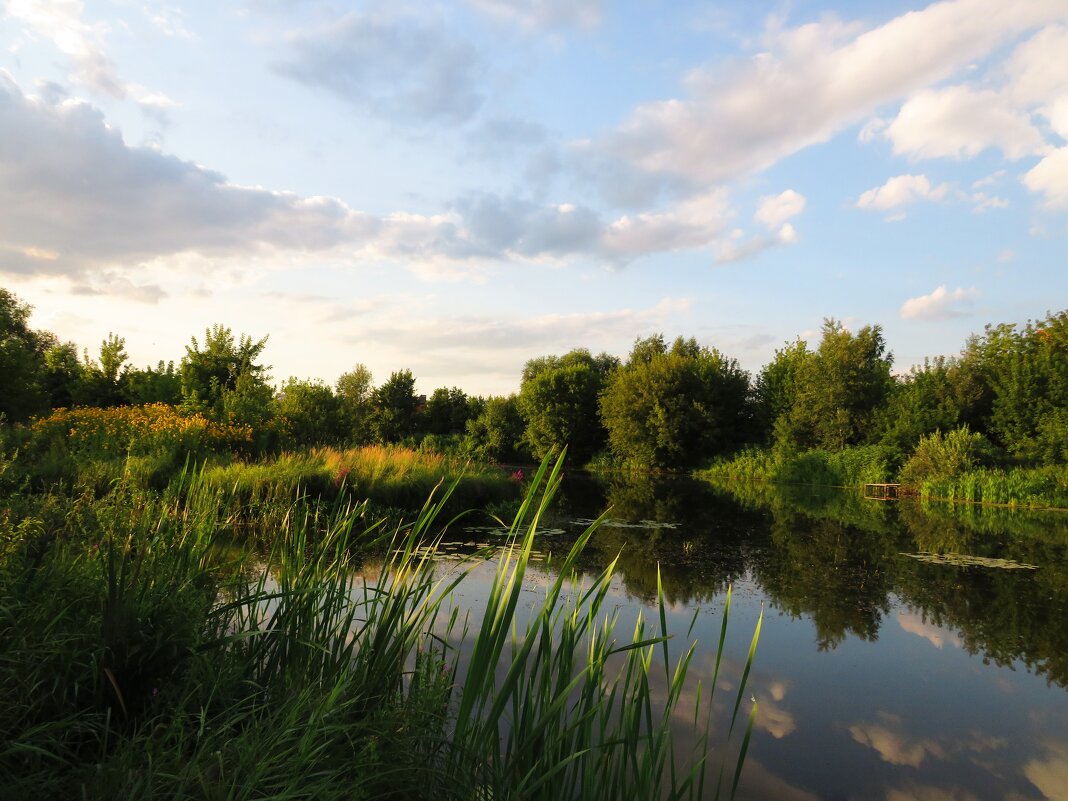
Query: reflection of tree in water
[(701, 539), (834, 557), (839, 575), (837, 557), (1004, 615)]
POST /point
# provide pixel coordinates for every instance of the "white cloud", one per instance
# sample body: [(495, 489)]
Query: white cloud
[(738, 248), (982, 202), (899, 191), (78, 198), (61, 23), (695, 223), (1037, 69), (777, 209), (959, 122), (940, 304), (544, 14), (1050, 178), (872, 130), (811, 82)]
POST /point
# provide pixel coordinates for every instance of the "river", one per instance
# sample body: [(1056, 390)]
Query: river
[(908, 651)]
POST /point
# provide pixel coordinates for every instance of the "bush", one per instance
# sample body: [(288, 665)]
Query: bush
[(134, 430), (947, 455)]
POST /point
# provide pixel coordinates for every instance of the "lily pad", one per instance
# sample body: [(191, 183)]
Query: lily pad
[(964, 560)]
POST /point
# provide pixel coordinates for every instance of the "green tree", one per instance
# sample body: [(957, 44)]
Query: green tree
[(394, 406), (939, 396), (1028, 372), (223, 380), (103, 379), (677, 407), (558, 399), (66, 378), (776, 387), (838, 390), (496, 433), (354, 390), (309, 414), (448, 410), (22, 360), (161, 384)]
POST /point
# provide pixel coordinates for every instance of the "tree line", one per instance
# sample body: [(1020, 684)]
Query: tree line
[(666, 406)]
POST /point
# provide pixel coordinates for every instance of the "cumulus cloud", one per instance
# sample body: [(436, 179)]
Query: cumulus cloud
[(738, 248), (807, 84), (692, 224), (901, 190), (1037, 68), (76, 195), (492, 226), (941, 304), (83, 44), (960, 122), (1050, 179), (777, 209), (544, 14), (399, 67), (78, 198)]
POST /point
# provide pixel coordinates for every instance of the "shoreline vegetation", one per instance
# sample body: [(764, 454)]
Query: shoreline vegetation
[(1044, 487), (988, 425), (143, 656)]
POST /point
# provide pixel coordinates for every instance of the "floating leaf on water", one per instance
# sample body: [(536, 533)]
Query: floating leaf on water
[(615, 523), (964, 560), (501, 531)]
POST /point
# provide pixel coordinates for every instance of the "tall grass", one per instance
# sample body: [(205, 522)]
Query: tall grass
[(140, 658), (1034, 488), (849, 467), (389, 476)]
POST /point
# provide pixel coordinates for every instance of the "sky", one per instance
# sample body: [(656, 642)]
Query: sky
[(456, 187)]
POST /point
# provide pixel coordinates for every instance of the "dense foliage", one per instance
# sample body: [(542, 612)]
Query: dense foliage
[(558, 399), (827, 410), (675, 407)]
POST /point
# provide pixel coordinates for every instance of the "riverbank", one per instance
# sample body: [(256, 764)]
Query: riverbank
[(1043, 487)]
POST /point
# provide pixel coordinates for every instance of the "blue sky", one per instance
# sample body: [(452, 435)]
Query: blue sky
[(457, 187)]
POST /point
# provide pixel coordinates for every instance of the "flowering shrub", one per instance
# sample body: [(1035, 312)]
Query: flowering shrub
[(135, 430)]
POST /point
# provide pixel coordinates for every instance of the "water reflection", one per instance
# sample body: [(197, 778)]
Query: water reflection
[(878, 676)]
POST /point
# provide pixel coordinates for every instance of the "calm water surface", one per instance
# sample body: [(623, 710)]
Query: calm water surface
[(881, 673)]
